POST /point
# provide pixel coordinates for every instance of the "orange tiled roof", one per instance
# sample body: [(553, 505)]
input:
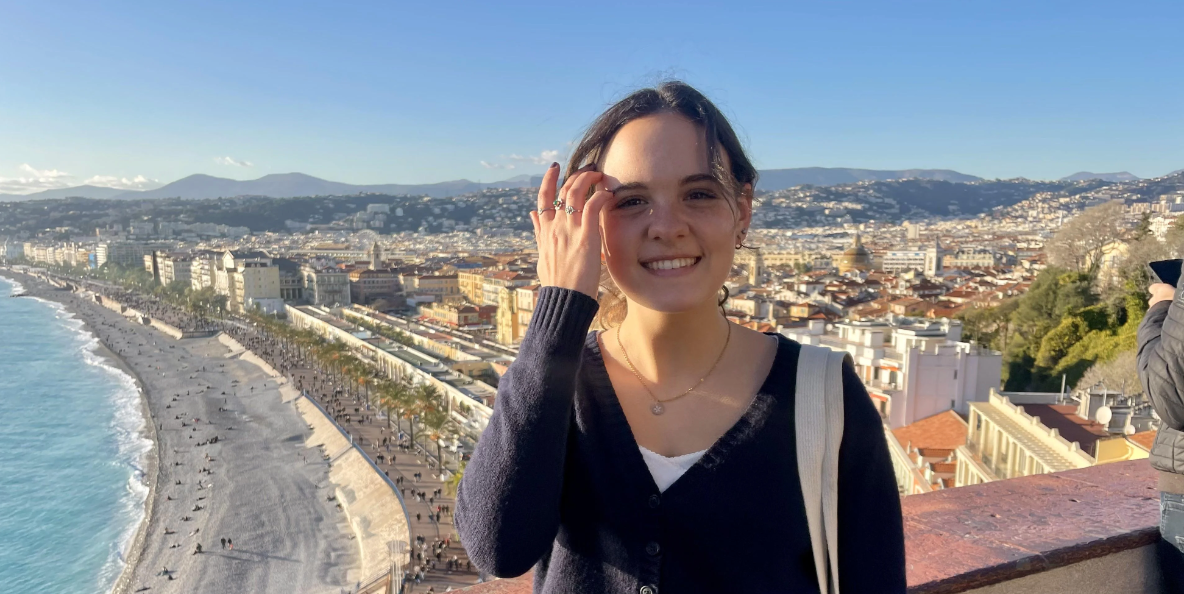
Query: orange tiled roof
[(1146, 439), (945, 430)]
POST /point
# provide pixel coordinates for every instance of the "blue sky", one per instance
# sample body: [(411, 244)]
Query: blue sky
[(374, 92)]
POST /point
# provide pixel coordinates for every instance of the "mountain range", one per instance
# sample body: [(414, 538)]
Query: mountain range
[(1121, 176), (289, 185)]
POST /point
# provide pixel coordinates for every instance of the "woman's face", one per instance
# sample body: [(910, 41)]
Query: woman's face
[(669, 231)]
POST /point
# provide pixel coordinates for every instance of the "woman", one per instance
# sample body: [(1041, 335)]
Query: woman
[(658, 455)]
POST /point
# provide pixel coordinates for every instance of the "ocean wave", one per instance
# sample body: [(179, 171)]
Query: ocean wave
[(16, 287), (130, 428)]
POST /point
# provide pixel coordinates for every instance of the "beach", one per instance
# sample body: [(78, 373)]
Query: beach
[(229, 462)]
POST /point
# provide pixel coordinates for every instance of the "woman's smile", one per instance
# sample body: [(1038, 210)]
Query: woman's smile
[(672, 267)]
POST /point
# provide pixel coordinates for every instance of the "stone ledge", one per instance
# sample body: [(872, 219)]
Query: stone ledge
[(957, 540)]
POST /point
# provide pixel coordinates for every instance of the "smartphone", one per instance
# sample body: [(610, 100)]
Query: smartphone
[(1167, 271)]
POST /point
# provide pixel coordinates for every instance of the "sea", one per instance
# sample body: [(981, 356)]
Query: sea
[(72, 453)]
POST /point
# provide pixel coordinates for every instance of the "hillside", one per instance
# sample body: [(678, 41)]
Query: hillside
[(291, 185), (780, 179)]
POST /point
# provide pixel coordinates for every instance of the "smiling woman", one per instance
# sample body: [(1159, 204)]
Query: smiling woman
[(627, 463)]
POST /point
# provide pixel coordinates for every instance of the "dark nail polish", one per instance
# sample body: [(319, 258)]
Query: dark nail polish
[(555, 165)]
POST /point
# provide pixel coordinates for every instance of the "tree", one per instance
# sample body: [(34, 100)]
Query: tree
[(1120, 373), (436, 417), (1081, 242), (1144, 228)]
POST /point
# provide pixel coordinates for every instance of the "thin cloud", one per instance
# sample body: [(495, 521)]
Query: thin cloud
[(138, 182), (543, 158), (489, 165), (43, 173), (37, 180), (232, 162)]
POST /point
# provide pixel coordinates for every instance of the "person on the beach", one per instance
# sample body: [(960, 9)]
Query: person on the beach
[(657, 201)]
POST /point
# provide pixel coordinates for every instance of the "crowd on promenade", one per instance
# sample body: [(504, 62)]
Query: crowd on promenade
[(435, 558), (154, 307)]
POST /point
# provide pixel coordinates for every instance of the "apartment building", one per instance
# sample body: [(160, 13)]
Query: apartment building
[(367, 285), (457, 316), (1016, 434), (471, 284), (124, 253), (970, 258), (926, 259), (326, 287), (503, 279), (524, 301), (249, 280), (913, 369), (174, 266), (441, 285)]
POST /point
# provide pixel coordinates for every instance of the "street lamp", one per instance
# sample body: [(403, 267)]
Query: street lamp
[(394, 549)]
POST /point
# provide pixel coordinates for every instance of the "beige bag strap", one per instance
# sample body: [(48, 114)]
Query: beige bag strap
[(818, 423)]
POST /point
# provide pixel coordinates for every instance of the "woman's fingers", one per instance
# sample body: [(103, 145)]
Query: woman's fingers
[(547, 189), (578, 193), (594, 206)]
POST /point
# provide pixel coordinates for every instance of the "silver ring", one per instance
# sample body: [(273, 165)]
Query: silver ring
[(571, 210), (557, 203), (544, 210)]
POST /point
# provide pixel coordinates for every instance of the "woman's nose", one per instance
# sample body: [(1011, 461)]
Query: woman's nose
[(666, 221)]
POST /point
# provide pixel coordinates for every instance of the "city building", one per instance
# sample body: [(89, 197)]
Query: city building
[(472, 285), (249, 280), (291, 280), (855, 258), (925, 259), (124, 253), (913, 369), (174, 266), (1020, 434), (327, 287), (493, 282)]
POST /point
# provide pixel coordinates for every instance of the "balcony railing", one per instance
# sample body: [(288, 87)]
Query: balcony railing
[(1089, 530)]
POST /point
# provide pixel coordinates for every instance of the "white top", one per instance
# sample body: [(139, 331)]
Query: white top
[(667, 470)]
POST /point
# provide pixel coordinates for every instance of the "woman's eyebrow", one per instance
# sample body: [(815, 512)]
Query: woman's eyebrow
[(628, 186), (698, 177), (690, 179)]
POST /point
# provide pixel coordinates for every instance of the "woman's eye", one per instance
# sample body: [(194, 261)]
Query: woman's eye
[(631, 201), (701, 195)]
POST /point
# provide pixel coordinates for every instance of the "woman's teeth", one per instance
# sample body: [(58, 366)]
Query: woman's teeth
[(670, 264)]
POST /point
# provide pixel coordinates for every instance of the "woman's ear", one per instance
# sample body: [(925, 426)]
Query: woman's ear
[(745, 202)]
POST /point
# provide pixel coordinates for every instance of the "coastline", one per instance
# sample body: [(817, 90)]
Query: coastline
[(135, 549), (32, 287), (272, 505)]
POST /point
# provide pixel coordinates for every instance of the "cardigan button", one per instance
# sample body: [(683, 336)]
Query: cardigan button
[(655, 501), (647, 589), (652, 548)]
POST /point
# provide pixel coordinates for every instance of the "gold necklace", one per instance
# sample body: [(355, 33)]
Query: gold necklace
[(657, 408)]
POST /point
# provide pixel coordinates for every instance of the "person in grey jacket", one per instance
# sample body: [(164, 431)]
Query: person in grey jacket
[(1161, 371)]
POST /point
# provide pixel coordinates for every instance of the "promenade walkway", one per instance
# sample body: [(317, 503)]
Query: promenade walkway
[(435, 542)]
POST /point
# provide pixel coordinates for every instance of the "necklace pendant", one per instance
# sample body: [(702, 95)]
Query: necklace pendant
[(657, 409)]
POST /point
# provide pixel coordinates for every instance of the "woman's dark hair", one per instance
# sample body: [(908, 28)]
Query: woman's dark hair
[(678, 98)]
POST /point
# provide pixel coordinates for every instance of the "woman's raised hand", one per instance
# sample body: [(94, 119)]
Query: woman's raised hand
[(567, 230)]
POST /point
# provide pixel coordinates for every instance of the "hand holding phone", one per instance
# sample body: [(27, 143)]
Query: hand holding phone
[(1167, 271)]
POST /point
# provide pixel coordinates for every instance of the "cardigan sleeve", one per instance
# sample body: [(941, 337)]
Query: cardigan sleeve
[(871, 529), (507, 503)]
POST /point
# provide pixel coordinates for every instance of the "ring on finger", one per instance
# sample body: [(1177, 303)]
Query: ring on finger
[(572, 210), (558, 203), (545, 210)]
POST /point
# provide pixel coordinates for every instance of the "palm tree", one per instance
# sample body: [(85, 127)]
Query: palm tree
[(435, 417)]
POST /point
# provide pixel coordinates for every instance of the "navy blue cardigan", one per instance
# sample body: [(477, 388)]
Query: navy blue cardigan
[(557, 483)]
